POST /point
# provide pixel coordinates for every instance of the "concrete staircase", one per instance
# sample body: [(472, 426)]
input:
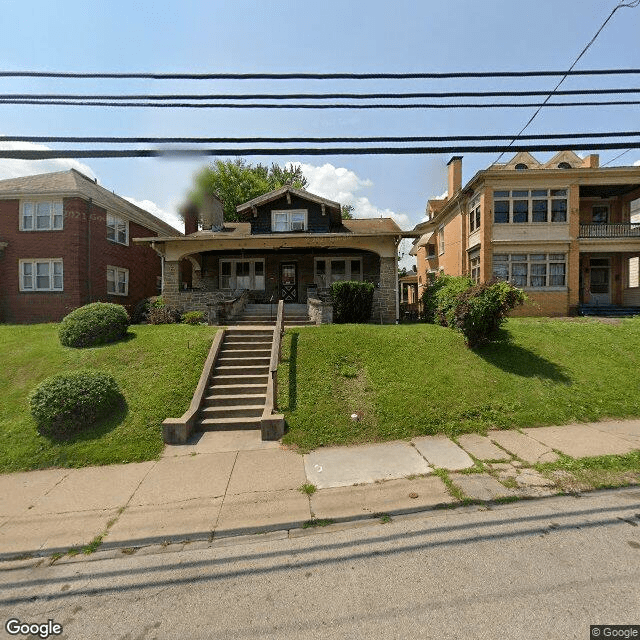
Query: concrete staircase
[(265, 315), (236, 395)]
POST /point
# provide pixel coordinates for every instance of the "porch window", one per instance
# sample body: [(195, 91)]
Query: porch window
[(294, 220), (242, 274), (474, 265), (327, 271), (523, 205), (536, 270)]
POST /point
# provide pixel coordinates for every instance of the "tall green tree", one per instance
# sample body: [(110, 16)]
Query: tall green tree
[(237, 181)]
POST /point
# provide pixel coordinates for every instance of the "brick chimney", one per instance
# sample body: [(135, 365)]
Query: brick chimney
[(455, 175), (190, 215), (591, 161)]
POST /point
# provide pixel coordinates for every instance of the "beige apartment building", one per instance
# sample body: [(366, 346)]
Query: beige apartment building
[(566, 231)]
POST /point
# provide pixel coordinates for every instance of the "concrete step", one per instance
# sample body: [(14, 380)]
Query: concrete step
[(235, 400), (225, 360), (246, 346), (239, 380), (244, 354), (241, 411), (243, 370), (236, 389), (228, 424), (238, 332)]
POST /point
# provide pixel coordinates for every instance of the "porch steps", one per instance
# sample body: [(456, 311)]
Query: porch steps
[(236, 395), (609, 311), (265, 315)]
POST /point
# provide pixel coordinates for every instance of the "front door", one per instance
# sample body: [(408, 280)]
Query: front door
[(288, 282), (599, 288)]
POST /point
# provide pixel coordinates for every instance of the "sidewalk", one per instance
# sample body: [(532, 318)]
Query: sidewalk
[(231, 483)]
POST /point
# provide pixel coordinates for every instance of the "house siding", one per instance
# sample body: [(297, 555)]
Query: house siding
[(85, 251)]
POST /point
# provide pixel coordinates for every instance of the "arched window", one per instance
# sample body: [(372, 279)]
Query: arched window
[(521, 166), (564, 165)]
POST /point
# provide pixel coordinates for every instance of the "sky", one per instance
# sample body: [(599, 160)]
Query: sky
[(357, 36)]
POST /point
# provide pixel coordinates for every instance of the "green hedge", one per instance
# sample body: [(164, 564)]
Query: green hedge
[(352, 301), (94, 324), (69, 403)]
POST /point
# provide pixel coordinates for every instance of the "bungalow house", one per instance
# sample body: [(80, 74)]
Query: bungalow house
[(66, 241), (289, 243), (565, 231)]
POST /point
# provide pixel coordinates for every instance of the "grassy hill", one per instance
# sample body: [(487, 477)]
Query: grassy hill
[(410, 380)]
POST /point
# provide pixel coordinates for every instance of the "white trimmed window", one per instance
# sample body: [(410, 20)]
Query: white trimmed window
[(474, 214), (474, 266), (41, 215), (117, 281), (294, 220), (441, 239), (531, 270), (117, 229), (41, 275), (242, 274), (326, 271), (530, 205)]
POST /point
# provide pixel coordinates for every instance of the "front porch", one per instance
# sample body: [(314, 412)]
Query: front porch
[(222, 283)]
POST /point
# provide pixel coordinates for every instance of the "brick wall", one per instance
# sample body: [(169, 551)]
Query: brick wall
[(85, 251), (544, 303)]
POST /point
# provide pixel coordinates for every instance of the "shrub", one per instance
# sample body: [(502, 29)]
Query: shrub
[(193, 317), (66, 404), (481, 310), (445, 297), (140, 311), (94, 324), (160, 313), (352, 301)]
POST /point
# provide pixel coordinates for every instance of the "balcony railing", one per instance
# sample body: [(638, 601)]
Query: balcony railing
[(618, 230)]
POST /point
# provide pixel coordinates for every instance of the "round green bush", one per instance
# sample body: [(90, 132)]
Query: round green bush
[(93, 324), (66, 404)]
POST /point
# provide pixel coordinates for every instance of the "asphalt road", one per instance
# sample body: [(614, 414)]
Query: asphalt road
[(539, 569)]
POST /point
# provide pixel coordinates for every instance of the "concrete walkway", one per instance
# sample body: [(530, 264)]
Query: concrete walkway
[(226, 484)]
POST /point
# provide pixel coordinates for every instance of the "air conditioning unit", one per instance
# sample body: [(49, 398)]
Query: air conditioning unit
[(297, 225)]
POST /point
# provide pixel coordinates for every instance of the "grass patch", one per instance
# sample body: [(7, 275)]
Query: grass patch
[(453, 490), (599, 472), (157, 369), (317, 522), (308, 488), (410, 380)]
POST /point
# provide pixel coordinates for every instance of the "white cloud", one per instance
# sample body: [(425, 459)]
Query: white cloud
[(19, 168), (341, 184), (148, 205), (636, 163)]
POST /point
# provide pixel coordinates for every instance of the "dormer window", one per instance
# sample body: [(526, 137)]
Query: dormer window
[(521, 166), (293, 220)]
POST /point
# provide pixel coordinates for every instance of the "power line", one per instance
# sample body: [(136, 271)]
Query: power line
[(312, 96), (632, 4), (624, 153), (361, 139), (49, 154), (312, 76), (267, 105)]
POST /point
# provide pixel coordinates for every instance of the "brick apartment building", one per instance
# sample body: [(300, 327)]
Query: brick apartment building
[(565, 231), (66, 241)]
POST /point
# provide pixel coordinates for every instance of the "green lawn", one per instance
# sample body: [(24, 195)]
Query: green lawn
[(157, 369), (420, 379)]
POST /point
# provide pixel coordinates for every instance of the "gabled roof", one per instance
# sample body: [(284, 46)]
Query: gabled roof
[(73, 183), (278, 193)]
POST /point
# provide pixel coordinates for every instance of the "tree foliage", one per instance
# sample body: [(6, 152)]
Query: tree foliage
[(238, 181)]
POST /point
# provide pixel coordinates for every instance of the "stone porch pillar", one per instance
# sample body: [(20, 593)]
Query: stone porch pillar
[(385, 296), (171, 283)]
